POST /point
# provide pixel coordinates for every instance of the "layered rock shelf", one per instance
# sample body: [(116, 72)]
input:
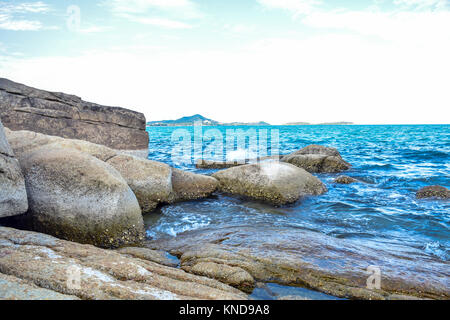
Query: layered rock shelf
[(68, 116)]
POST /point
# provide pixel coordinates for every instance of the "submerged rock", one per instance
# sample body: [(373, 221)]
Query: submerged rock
[(61, 269), (318, 159), (272, 182), (13, 196), (212, 164), (438, 192), (345, 180), (77, 197), (149, 180), (303, 258)]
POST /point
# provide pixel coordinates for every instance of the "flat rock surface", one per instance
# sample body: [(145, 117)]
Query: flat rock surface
[(298, 257), (68, 116), (38, 266)]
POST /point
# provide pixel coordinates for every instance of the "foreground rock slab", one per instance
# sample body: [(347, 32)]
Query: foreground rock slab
[(298, 257), (13, 196), (437, 192), (272, 182), (318, 159), (68, 116), (77, 197), (61, 269)]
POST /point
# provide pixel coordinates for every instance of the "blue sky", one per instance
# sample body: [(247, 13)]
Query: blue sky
[(367, 61)]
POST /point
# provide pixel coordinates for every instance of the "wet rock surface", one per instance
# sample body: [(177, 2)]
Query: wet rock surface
[(54, 268), (437, 192), (13, 196), (297, 257), (318, 159), (272, 182), (68, 116), (345, 180)]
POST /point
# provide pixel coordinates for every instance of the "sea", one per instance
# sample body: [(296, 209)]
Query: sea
[(392, 162)]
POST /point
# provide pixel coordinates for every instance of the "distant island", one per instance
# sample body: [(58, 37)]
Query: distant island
[(341, 123), (190, 121)]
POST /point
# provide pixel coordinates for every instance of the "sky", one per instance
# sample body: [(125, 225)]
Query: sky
[(279, 61)]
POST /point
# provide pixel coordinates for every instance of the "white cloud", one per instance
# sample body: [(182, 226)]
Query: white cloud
[(9, 23), (239, 28), (297, 7), (139, 6), (318, 79), (161, 22), (165, 13), (9, 12), (30, 7), (424, 4)]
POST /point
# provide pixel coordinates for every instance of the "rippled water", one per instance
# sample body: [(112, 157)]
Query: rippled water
[(392, 161)]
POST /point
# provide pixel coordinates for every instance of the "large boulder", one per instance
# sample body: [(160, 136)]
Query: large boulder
[(190, 186), (318, 159), (23, 142), (273, 182), (149, 180), (67, 116), (77, 197), (437, 192), (13, 196), (157, 183), (38, 266)]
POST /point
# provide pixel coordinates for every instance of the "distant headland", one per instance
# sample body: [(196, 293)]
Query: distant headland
[(190, 121)]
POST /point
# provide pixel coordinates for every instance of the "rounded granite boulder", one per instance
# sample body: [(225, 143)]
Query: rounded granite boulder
[(77, 197), (272, 182), (13, 196), (150, 180)]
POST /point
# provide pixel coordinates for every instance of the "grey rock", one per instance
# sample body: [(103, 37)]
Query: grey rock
[(190, 186), (13, 195), (345, 180), (86, 272), (149, 180), (318, 159), (272, 182), (437, 192), (67, 116), (77, 197)]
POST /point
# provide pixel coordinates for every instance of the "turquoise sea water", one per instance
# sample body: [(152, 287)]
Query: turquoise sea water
[(392, 162)]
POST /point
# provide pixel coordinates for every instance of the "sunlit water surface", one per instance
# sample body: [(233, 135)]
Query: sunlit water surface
[(392, 162)]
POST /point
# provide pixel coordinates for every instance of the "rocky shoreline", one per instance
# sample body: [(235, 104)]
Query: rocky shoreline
[(71, 205)]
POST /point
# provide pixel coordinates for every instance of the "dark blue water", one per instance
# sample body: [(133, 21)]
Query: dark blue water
[(392, 161)]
